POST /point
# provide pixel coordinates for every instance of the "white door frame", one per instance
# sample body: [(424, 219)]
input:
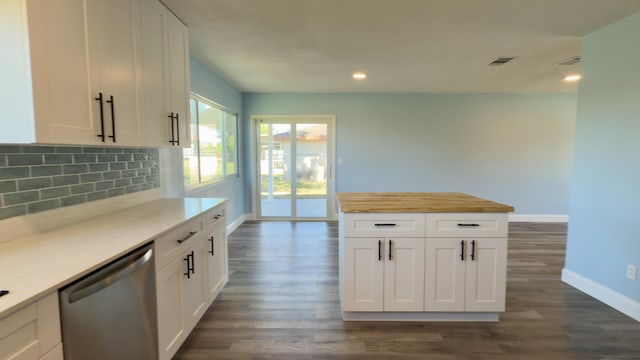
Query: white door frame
[(328, 119)]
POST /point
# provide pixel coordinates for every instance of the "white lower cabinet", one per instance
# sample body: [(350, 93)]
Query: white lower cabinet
[(185, 273), (216, 262), (464, 274), (195, 280), (32, 332), (170, 302), (383, 274)]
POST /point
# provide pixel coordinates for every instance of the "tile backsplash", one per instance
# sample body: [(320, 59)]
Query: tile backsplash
[(35, 178)]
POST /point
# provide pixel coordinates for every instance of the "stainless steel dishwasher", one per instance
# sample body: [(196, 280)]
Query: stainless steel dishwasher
[(111, 313)]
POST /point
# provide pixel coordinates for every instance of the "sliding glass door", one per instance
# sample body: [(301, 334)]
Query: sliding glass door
[(294, 167)]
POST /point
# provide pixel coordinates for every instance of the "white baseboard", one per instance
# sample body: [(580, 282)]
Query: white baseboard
[(237, 222), (539, 218), (624, 304)]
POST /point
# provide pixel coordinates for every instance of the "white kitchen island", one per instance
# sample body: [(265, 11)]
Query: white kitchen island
[(422, 257)]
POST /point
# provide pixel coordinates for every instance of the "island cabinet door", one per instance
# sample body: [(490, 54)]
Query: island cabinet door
[(404, 274), (486, 274), (363, 274), (445, 274)]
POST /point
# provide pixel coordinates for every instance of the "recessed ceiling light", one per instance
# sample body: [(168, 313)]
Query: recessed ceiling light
[(572, 78), (359, 75)]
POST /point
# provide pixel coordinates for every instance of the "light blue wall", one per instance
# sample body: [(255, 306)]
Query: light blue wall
[(210, 85), (515, 149), (604, 231)]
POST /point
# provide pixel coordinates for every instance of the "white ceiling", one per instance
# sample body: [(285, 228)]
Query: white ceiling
[(403, 45)]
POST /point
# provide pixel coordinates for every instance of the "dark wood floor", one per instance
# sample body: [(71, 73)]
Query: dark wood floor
[(282, 303)]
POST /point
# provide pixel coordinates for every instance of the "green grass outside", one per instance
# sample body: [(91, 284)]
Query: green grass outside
[(306, 189)]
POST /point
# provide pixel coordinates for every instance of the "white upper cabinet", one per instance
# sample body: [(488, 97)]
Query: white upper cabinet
[(111, 28), (179, 80), (45, 80), (93, 72), (164, 63)]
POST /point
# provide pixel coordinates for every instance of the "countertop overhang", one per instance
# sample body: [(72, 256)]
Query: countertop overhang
[(33, 266), (418, 202)]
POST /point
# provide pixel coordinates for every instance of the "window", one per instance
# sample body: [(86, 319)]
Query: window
[(214, 133)]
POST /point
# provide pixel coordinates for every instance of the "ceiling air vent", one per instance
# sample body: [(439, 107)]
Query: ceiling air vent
[(569, 61), (501, 60)]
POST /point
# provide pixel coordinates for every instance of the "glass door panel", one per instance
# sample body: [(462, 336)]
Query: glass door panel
[(275, 171), (294, 166), (311, 170)]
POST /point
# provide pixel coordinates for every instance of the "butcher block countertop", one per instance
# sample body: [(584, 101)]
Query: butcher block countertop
[(416, 202)]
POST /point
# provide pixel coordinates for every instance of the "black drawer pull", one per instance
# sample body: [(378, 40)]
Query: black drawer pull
[(469, 225), (385, 225), (191, 233)]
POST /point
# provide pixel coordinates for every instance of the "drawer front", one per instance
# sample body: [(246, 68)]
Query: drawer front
[(215, 217), (170, 245), (384, 225), (467, 225)]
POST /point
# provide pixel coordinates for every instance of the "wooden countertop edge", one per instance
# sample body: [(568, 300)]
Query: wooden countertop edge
[(444, 202)]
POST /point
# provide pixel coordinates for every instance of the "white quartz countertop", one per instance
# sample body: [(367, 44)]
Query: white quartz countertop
[(33, 266)]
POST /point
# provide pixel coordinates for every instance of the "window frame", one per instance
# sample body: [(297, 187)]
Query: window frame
[(195, 138)]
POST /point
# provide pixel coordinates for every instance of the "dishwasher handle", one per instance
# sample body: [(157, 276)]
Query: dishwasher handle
[(111, 274)]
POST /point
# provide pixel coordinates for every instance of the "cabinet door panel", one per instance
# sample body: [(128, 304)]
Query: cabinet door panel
[(216, 261), (112, 56), (178, 97), (60, 72), (195, 286), (153, 82), (363, 275), (445, 275), (404, 274), (171, 321), (486, 275)]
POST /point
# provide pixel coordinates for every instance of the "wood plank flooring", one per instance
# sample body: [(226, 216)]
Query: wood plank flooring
[(282, 303)]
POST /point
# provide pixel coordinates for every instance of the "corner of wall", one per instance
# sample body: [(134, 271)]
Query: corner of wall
[(622, 303)]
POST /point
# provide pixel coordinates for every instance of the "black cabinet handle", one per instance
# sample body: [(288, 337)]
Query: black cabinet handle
[(384, 225), (390, 251), (212, 251), (379, 250), (113, 118), (462, 250), (473, 250), (172, 141), (469, 225), (188, 260), (99, 99), (193, 263), (177, 129), (191, 233)]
